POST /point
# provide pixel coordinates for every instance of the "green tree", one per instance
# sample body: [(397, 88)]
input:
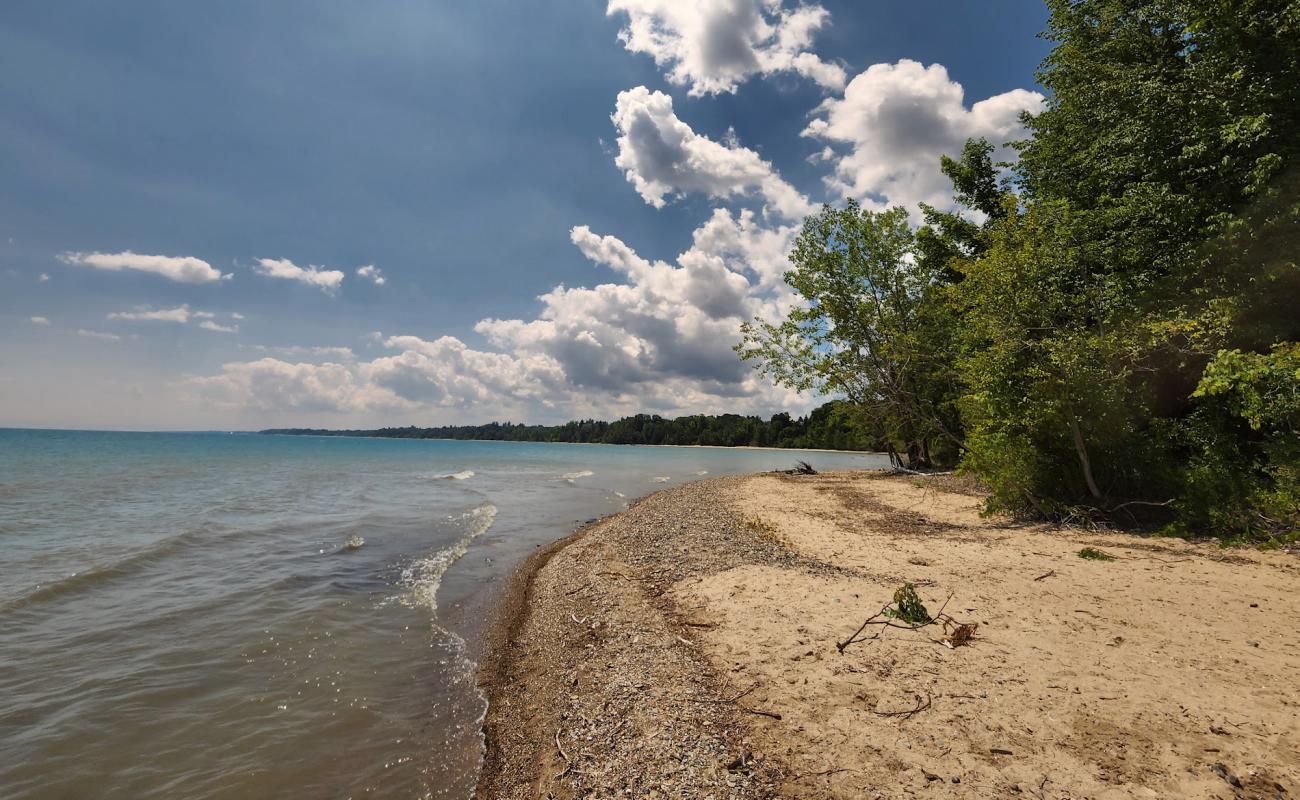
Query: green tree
[(862, 330), (1150, 257)]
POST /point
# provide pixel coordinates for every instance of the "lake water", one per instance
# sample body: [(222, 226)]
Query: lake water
[(193, 614)]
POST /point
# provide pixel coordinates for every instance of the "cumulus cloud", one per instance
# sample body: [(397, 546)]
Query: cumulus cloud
[(269, 384), (713, 46), (662, 156), (373, 273), (327, 280), (108, 337), (40, 320), (183, 269), (896, 120), (659, 339)]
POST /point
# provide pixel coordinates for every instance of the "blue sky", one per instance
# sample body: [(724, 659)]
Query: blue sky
[(651, 157)]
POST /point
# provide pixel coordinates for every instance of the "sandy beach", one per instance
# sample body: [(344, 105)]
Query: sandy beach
[(688, 648)]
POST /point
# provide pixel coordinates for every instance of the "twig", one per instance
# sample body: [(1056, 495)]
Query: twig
[(722, 701), (1141, 503), (1047, 574), (567, 763), (909, 712), (760, 712), (875, 619)]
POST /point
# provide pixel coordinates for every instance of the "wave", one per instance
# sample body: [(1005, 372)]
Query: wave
[(423, 577), (98, 573), (463, 475), (701, 472), (573, 476), (660, 479)]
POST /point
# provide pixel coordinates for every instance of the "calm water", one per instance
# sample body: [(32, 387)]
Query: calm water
[(181, 615)]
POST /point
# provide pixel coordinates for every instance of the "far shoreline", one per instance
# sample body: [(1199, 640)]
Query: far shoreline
[(584, 444)]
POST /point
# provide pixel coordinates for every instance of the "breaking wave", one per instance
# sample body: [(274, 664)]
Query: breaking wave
[(463, 475), (423, 576)]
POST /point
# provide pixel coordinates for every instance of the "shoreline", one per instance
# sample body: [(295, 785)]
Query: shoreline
[(527, 441), (686, 647)]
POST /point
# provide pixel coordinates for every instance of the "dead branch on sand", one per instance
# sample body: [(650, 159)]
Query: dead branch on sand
[(910, 712), (955, 633)]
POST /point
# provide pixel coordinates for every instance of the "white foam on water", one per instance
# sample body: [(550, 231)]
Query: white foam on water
[(463, 475), (573, 476), (423, 577), (660, 479), (701, 472)]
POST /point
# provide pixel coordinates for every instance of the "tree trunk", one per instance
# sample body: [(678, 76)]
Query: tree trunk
[(1084, 462), (915, 456)]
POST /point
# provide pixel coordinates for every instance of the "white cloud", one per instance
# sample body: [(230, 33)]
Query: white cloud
[(108, 337), (298, 351), (897, 120), (659, 340), (373, 273), (40, 320), (209, 325), (327, 280), (181, 314), (662, 156), (269, 384), (713, 46), (43, 277), (183, 269)]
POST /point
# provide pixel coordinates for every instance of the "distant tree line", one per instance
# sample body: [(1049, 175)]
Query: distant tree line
[(832, 426)]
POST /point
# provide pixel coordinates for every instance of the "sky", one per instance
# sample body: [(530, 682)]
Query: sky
[(242, 215)]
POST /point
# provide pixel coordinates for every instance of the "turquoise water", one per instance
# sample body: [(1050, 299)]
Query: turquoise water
[(232, 615)]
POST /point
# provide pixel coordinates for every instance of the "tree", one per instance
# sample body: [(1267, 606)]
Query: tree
[(862, 330), (1145, 279)]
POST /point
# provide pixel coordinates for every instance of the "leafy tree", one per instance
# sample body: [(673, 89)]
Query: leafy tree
[(1132, 315), (863, 330)]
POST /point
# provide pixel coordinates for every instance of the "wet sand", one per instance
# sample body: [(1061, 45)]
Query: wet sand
[(687, 648)]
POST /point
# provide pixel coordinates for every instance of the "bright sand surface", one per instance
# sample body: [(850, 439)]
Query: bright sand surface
[(652, 654)]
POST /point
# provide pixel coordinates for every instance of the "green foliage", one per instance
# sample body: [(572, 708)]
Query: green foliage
[(1129, 325), (1093, 554), (908, 606), (872, 328), (831, 426)]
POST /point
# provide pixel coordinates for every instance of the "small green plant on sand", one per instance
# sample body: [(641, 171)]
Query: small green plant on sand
[(908, 606), (1093, 554)]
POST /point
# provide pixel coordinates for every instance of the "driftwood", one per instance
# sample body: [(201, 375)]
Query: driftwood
[(799, 468), (881, 618), (567, 763)]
